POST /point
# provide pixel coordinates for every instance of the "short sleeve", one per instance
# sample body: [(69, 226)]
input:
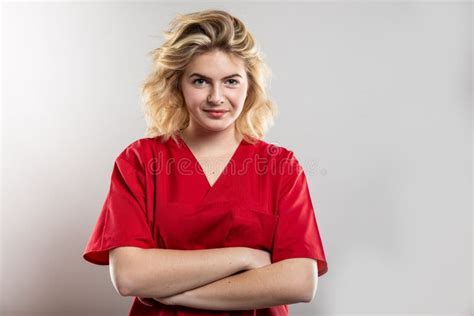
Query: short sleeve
[(297, 234), (123, 219)]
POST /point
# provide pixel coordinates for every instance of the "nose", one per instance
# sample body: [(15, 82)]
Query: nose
[(216, 96)]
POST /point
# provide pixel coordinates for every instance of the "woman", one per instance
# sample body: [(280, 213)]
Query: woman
[(203, 216)]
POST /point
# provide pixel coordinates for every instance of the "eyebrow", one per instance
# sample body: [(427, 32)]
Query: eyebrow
[(199, 75)]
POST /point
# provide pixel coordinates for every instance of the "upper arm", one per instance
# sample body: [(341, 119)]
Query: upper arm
[(125, 225), (121, 264), (124, 219), (297, 233)]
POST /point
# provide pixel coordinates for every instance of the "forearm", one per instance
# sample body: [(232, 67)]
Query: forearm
[(277, 284), (166, 272)]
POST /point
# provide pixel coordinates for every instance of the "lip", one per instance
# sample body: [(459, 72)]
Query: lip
[(216, 111)]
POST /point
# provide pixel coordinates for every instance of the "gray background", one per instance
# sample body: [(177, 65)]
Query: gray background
[(375, 99)]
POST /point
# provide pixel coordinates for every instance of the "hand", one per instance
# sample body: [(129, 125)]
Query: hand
[(171, 300), (165, 300), (146, 301), (258, 258)]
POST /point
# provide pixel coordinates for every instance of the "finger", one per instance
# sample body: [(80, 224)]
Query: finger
[(146, 301)]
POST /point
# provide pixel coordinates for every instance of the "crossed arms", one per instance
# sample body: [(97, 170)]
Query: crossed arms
[(233, 278)]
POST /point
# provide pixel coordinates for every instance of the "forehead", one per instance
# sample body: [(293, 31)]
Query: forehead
[(216, 63)]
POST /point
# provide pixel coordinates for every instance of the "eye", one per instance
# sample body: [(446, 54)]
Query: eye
[(235, 82), (199, 79)]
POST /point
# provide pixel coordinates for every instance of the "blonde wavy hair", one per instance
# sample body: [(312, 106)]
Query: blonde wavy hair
[(197, 33)]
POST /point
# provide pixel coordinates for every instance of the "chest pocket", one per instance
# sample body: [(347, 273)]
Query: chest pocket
[(251, 228), (190, 227)]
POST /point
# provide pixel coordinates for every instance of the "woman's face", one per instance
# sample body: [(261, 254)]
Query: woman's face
[(214, 87)]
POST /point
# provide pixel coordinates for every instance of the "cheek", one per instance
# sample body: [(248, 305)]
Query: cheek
[(193, 97), (240, 96)]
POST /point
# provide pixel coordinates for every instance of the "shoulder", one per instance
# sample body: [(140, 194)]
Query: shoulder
[(139, 152), (280, 159), (276, 152), (143, 144)]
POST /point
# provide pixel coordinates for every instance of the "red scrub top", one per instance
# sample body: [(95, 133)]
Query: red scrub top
[(159, 197)]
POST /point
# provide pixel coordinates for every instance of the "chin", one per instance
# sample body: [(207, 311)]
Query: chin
[(216, 126)]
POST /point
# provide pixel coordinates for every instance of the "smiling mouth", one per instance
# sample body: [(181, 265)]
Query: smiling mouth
[(216, 114)]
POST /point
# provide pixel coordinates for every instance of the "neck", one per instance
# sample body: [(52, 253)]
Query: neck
[(210, 141)]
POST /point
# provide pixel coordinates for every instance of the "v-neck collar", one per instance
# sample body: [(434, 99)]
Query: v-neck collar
[(224, 172)]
